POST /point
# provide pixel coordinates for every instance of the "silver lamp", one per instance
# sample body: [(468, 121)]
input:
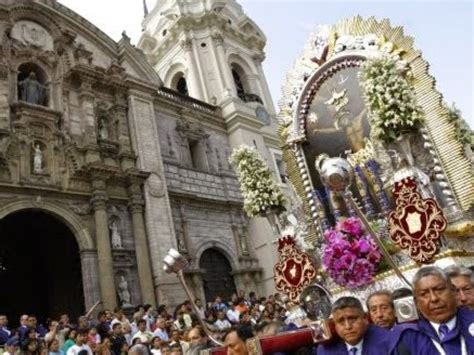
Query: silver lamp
[(176, 263)]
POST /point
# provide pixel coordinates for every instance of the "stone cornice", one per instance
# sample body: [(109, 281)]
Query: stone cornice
[(97, 75), (201, 198)]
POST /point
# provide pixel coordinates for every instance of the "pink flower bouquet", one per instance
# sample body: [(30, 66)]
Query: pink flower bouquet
[(350, 256)]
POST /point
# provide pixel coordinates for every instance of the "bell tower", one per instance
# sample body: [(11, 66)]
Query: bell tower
[(210, 50)]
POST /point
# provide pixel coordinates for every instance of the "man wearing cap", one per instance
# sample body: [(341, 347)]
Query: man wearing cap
[(4, 332), (443, 328), (356, 335)]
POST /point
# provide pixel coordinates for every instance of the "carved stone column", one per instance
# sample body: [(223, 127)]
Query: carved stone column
[(193, 79), (104, 251), (228, 80), (90, 277), (141, 246)]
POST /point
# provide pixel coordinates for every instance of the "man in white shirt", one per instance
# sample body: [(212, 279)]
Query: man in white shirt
[(232, 314), (143, 334), (80, 345), (160, 330), (222, 323)]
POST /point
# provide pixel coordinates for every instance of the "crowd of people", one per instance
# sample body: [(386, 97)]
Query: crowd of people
[(444, 300)]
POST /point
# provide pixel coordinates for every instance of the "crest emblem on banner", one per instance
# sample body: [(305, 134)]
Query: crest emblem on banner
[(294, 271), (416, 224)]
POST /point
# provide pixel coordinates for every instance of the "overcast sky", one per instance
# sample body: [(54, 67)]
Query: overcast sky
[(443, 31)]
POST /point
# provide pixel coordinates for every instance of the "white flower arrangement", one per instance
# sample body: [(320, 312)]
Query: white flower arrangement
[(261, 194), (390, 98)]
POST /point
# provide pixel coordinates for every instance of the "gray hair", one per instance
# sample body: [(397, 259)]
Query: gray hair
[(138, 349), (431, 271), (456, 271), (347, 302), (380, 293)]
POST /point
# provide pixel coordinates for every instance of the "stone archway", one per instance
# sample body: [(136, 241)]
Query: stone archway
[(217, 278), (57, 271)]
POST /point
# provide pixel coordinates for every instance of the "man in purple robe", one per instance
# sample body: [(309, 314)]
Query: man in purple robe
[(442, 328), (355, 336)]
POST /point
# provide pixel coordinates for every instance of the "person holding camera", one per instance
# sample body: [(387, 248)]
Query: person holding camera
[(355, 335), (381, 310), (443, 328)]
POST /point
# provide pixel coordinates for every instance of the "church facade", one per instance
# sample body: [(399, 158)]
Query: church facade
[(109, 156)]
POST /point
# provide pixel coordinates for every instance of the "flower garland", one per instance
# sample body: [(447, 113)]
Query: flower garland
[(261, 193), (389, 97), (349, 256), (463, 132)]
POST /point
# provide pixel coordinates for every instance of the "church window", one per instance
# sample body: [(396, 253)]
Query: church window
[(238, 84), (198, 154), (203, 45), (164, 33), (182, 86)]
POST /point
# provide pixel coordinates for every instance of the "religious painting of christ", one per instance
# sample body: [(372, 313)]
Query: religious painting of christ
[(336, 123)]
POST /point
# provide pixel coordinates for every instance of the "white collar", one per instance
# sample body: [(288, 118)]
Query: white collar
[(451, 324), (358, 346)]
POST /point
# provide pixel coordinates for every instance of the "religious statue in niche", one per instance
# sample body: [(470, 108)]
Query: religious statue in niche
[(180, 241), (103, 128), (115, 235), (37, 159), (124, 292), (243, 244), (31, 90)]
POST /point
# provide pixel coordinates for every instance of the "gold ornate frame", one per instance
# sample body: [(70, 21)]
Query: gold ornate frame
[(453, 169)]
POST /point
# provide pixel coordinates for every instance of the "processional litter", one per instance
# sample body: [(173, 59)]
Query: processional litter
[(381, 170)]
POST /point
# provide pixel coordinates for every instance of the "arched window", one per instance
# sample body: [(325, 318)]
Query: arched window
[(243, 86), (32, 84), (238, 84), (180, 84)]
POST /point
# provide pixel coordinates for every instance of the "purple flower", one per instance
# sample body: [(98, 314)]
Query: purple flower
[(349, 256), (351, 226)]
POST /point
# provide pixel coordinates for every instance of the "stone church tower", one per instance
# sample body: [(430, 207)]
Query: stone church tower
[(212, 51)]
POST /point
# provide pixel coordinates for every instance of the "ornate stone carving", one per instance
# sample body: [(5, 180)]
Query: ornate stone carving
[(186, 44), (30, 33), (218, 38), (155, 185), (99, 200)]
